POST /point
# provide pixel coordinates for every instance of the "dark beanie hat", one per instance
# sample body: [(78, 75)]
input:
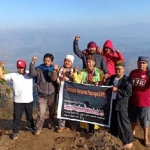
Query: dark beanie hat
[(92, 45), (143, 58), (119, 63)]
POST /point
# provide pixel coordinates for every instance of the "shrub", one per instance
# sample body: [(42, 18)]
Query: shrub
[(8, 91), (2, 81)]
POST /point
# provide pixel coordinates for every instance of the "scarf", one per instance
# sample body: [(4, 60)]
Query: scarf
[(44, 68), (64, 72)]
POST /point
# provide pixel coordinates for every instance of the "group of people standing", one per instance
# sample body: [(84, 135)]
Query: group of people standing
[(130, 95)]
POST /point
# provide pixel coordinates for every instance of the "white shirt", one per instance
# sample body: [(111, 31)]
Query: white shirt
[(22, 86), (114, 94)]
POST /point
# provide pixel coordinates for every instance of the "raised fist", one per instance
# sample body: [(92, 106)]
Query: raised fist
[(96, 83), (2, 63), (34, 58), (77, 38), (106, 75), (75, 69), (66, 78), (99, 51), (117, 51), (56, 67)]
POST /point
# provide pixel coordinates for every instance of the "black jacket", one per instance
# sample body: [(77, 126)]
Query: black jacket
[(100, 62), (123, 93)]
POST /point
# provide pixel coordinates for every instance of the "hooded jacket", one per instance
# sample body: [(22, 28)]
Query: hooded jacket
[(100, 62), (112, 57), (45, 81)]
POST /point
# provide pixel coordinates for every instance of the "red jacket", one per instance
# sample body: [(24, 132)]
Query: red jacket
[(111, 57)]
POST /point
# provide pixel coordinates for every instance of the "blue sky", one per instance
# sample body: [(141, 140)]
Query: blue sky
[(72, 13)]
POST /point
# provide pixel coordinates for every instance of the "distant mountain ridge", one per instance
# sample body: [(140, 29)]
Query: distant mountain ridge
[(132, 40)]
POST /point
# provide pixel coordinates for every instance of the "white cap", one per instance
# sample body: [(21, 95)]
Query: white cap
[(70, 57)]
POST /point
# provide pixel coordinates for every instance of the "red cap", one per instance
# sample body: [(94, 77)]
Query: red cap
[(21, 63)]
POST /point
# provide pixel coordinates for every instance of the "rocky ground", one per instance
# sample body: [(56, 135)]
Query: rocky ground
[(51, 140), (68, 140)]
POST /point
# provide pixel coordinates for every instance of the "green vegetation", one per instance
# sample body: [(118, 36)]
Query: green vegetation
[(4, 72), (1, 101), (8, 91), (5, 115)]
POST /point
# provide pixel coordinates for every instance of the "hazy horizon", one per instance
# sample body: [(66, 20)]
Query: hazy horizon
[(24, 44), (36, 27)]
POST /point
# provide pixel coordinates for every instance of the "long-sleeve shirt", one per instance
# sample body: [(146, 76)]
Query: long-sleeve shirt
[(111, 58), (100, 62)]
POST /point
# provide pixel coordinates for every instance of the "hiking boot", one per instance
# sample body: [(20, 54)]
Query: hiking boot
[(15, 136), (37, 132), (60, 130)]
